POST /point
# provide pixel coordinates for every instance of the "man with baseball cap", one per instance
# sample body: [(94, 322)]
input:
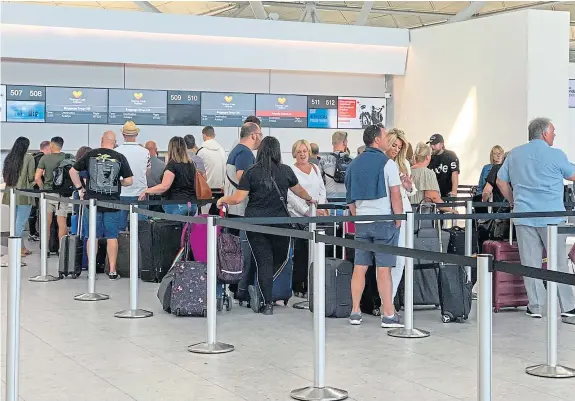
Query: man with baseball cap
[(445, 164), (138, 158)]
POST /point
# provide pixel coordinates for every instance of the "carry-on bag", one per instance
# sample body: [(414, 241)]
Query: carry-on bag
[(370, 301), (337, 288), (230, 264), (197, 235), (71, 252), (101, 255), (53, 239), (159, 244), (455, 293), (189, 289)]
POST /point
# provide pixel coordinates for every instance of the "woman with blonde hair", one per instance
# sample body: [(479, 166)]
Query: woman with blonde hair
[(178, 179), (397, 152), (495, 158), (424, 179), (310, 179)]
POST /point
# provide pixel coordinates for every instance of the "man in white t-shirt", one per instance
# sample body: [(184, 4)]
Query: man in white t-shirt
[(139, 159), (373, 188)]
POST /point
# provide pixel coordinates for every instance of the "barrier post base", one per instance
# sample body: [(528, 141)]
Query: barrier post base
[(91, 297), (301, 305), (43, 279), (408, 333), (133, 314), (216, 348), (568, 320), (554, 372), (319, 394)]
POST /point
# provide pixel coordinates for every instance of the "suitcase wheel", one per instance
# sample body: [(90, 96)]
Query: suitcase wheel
[(61, 276), (285, 302), (75, 276), (376, 312), (446, 318), (228, 304), (496, 310)]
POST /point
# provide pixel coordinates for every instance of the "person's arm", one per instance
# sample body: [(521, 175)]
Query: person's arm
[(503, 179), (243, 160), (238, 197), (38, 178), (167, 181), (396, 202), (296, 205), (126, 182), (301, 192), (125, 172), (352, 208), (487, 191), (454, 182), (435, 197), (567, 168)]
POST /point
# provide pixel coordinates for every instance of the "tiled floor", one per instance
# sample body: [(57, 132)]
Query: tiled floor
[(72, 351)]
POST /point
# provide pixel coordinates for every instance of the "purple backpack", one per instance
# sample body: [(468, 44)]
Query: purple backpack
[(230, 258)]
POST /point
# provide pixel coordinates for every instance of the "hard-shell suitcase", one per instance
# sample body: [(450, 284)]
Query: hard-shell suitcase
[(165, 290), (337, 288), (189, 289), (53, 240), (101, 255), (71, 252), (282, 286), (159, 245), (123, 258), (508, 289), (454, 292), (370, 301)]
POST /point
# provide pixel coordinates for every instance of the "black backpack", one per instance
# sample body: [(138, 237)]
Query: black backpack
[(61, 180), (342, 162)]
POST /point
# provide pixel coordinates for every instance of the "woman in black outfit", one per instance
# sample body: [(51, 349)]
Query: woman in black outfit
[(270, 251)]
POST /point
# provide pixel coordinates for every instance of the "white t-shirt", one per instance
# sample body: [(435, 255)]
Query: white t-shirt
[(313, 184), (139, 160), (381, 206)]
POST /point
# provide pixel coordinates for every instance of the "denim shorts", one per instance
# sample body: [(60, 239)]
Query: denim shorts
[(108, 224), (380, 232)]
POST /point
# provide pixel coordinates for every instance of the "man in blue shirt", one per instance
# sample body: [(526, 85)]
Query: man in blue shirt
[(537, 172), (372, 186)]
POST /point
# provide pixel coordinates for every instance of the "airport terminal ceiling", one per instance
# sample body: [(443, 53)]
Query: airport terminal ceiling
[(391, 14)]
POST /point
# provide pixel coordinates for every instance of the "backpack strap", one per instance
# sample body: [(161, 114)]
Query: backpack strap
[(198, 151)]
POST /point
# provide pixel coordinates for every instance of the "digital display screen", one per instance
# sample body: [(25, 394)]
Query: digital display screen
[(77, 105), (184, 108), (360, 112), (25, 111), (572, 93), (19, 92), (322, 111), (2, 102), (227, 109), (144, 107), (281, 111)]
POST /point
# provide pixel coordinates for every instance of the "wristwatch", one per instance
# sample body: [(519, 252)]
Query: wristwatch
[(79, 188)]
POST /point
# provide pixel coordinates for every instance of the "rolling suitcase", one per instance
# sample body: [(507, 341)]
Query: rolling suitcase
[(189, 289), (123, 258), (101, 254), (53, 241), (282, 285), (454, 293), (508, 289), (337, 288), (71, 252), (159, 245)]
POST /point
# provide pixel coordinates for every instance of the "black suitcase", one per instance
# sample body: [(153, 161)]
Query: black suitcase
[(71, 253), (337, 288), (159, 245), (455, 293), (123, 259), (53, 240)]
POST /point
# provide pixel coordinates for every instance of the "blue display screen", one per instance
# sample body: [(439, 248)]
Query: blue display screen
[(25, 111), (322, 118)]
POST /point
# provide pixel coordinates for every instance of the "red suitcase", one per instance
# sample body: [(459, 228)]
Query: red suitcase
[(508, 289)]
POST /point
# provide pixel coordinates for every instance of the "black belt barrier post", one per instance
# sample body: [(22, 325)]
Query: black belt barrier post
[(551, 369), (408, 331), (319, 391), (312, 213), (134, 312), (211, 346)]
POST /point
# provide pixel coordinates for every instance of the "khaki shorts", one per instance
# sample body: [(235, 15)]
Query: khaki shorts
[(61, 209)]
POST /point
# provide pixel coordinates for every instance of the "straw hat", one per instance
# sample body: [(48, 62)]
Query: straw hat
[(130, 129)]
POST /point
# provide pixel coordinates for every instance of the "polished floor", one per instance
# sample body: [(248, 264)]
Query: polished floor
[(72, 351)]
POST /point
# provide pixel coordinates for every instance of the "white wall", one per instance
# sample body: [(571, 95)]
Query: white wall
[(44, 73), (479, 83)]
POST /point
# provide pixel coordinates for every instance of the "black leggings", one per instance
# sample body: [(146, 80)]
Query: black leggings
[(270, 252), (300, 265)]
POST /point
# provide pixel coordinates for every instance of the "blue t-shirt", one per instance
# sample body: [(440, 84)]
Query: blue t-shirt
[(537, 172), (241, 157)]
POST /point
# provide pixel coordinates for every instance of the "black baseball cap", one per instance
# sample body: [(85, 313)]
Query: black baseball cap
[(435, 139)]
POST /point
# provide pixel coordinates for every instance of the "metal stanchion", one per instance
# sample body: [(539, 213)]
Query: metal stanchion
[(468, 236), (408, 331), (44, 276), (211, 346), (485, 325), (92, 295), (312, 213), (12, 212), (134, 312), (551, 369), (13, 324), (319, 391)]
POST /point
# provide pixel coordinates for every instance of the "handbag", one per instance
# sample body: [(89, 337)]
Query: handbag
[(203, 190), (230, 262), (295, 226)]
